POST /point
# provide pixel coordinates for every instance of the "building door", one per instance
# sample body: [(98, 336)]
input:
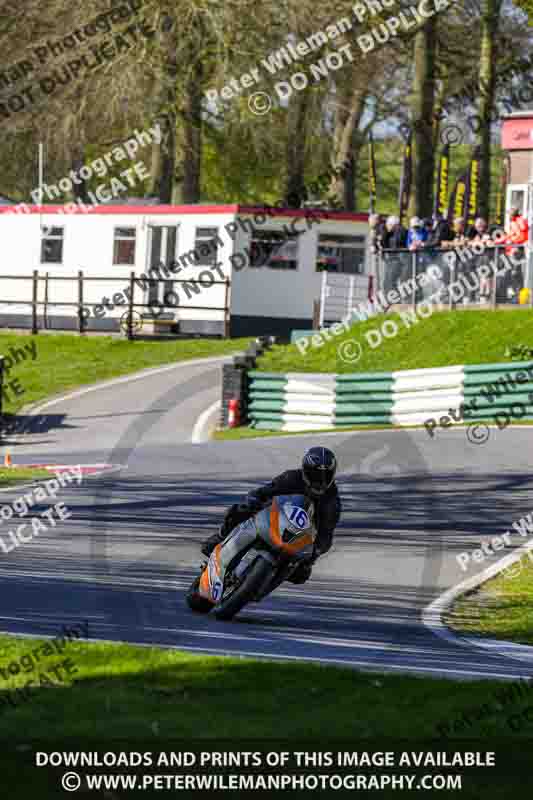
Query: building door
[(162, 241)]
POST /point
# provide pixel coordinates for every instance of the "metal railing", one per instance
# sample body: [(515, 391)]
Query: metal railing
[(493, 276)]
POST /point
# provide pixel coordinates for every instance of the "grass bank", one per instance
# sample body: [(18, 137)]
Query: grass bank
[(113, 691), (502, 608), (442, 340), (61, 362), (12, 476), (233, 434)]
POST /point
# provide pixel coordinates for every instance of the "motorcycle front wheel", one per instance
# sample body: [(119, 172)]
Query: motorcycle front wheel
[(245, 591), (195, 601)]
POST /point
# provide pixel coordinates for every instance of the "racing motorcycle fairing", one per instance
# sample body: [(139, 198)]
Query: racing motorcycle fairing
[(282, 532)]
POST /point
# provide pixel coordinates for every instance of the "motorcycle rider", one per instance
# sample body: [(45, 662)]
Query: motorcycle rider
[(315, 480)]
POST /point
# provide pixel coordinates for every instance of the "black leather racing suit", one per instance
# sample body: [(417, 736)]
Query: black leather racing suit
[(327, 510)]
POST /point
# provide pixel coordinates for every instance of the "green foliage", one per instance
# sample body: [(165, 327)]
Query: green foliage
[(135, 693), (444, 339), (389, 156), (502, 608), (527, 6), (66, 360)]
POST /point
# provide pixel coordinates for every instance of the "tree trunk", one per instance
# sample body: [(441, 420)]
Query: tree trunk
[(295, 191), (349, 203), (163, 156), (490, 12), (346, 125), (166, 161), (191, 119), (422, 117)]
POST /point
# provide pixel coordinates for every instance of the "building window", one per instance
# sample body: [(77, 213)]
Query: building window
[(51, 245), (206, 247), (339, 253), (124, 247), (274, 249)]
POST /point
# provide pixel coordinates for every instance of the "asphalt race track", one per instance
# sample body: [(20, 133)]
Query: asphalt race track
[(125, 558)]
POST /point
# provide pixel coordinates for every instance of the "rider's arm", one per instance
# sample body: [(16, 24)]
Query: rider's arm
[(329, 516), (281, 484)]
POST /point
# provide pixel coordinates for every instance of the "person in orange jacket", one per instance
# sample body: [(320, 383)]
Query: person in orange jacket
[(518, 228), (517, 237)]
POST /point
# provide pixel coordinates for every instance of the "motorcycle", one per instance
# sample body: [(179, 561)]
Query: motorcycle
[(256, 557)]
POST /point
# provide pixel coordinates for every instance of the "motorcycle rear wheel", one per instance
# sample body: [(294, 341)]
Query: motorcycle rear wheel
[(244, 593)]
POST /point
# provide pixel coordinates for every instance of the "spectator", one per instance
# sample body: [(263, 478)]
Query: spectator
[(417, 234), (479, 231), (427, 224), (477, 234), (377, 228), (394, 235), (440, 232), (395, 265), (517, 236), (457, 234), (518, 228)]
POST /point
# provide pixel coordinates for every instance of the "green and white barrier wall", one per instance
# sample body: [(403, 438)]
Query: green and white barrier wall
[(298, 401)]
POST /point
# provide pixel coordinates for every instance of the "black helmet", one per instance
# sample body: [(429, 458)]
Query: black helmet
[(318, 468)]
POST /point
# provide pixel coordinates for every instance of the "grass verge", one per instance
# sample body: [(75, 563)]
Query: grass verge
[(234, 434), (12, 476), (442, 340), (65, 361), (502, 608), (115, 691)]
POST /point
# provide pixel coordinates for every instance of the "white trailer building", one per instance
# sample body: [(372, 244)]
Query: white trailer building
[(222, 269)]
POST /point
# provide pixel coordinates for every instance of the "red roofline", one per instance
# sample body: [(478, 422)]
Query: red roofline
[(162, 209), (295, 213)]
